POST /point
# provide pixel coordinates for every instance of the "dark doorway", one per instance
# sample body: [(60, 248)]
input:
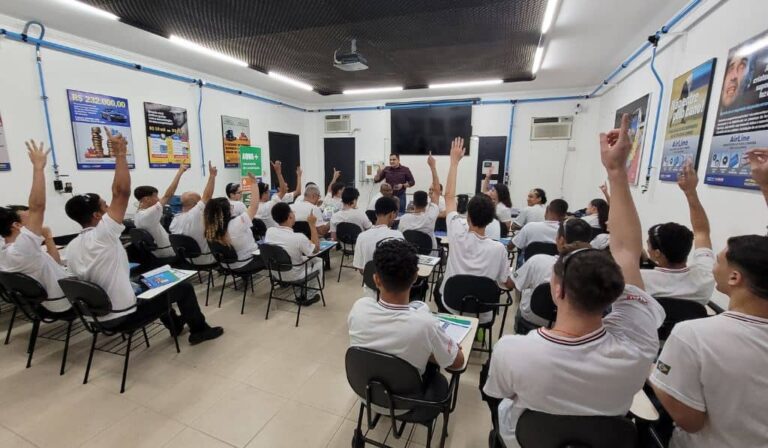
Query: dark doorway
[(285, 148), (491, 149), (340, 154)]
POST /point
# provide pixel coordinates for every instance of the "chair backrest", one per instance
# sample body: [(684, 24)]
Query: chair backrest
[(302, 227), (471, 294), (421, 240), (441, 225), (223, 253), (678, 310), (259, 229), (24, 291), (504, 232), (143, 240), (542, 304), (87, 299), (368, 271), (275, 258), (540, 248), (347, 233), (379, 377), (462, 200), (371, 214), (539, 430), (185, 246), (597, 231)]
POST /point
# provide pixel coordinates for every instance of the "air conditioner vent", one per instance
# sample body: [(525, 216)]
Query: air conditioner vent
[(551, 128), (338, 124)]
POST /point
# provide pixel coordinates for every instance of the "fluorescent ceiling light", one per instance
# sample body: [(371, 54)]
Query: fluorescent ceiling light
[(207, 51), (537, 59), (372, 90), (549, 16), (450, 85), (89, 9), (290, 81)]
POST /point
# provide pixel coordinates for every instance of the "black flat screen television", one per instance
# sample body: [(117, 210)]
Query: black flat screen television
[(421, 130)]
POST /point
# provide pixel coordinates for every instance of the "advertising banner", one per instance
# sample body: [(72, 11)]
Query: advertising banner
[(5, 160), (236, 133), (167, 135), (638, 113)]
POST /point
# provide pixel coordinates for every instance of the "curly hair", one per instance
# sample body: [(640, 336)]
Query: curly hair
[(397, 264)]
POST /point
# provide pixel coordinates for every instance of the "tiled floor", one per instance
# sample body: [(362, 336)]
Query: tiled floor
[(264, 383)]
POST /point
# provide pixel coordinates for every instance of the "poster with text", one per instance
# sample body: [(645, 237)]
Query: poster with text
[(638, 113), (90, 113), (5, 160), (236, 133), (686, 119), (742, 115), (167, 135), (250, 162)]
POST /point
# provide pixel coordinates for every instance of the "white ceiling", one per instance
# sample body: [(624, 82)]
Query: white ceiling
[(588, 40)]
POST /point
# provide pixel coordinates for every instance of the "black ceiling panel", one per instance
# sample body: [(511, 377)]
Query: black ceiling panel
[(406, 42)]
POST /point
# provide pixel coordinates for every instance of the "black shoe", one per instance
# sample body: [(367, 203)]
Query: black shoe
[(205, 335), (312, 300)]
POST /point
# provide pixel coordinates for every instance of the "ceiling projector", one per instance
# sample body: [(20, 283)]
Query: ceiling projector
[(350, 62)]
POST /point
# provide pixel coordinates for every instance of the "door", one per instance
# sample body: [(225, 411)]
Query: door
[(491, 149), (285, 148), (340, 154)]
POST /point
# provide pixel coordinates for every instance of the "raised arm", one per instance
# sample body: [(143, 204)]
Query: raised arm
[(39, 157), (435, 180), (758, 160), (687, 181), (211, 184), (626, 234), (121, 184), (313, 236), (457, 152), (486, 180), (297, 191), (336, 174), (380, 174), (604, 189), (282, 187), (174, 185), (253, 207)]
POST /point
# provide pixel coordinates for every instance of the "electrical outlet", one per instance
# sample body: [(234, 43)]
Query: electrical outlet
[(58, 185), (68, 187)]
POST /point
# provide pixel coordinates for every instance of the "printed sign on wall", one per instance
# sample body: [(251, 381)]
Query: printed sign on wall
[(638, 114), (167, 135), (236, 133)]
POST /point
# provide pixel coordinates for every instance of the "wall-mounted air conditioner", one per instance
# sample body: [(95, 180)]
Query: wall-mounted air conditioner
[(338, 124), (551, 128)]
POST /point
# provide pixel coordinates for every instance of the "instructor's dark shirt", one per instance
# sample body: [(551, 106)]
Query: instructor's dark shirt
[(397, 176)]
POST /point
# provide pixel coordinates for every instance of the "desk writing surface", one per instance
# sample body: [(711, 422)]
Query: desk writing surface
[(466, 343)]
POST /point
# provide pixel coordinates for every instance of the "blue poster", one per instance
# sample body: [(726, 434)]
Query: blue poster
[(90, 114)]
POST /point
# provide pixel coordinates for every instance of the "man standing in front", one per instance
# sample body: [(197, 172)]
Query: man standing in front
[(398, 176)]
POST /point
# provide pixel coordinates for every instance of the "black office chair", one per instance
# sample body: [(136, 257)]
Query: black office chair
[(540, 430), (368, 271), (28, 295), (302, 227), (90, 302), (441, 225), (474, 295), (259, 229), (420, 240), (539, 248), (346, 234), (226, 256), (8, 305), (371, 214), (462, 200), (187, 250), (388, 382), (277, 261), (678, 310), (597, 231), (504, 226), (542, 305), (144, 244)]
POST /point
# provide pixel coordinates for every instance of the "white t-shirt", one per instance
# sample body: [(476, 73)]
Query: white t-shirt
[(366, 243), (149, 219), (593, 220), (351, 215), (535, 271), (287, 198), (297, 245), (694, 282), (302, 209), (493, 230), (334, 202), (409, 332), (536, 232), (596, 374), (97, 256), (601, 241), (264, 213), (372, 204), (718, 365), (238, 207), (534, 213), (472, 254), (423, 222), (503, 213), (26, 255), (441, 204), (191, 224), (241, 238)]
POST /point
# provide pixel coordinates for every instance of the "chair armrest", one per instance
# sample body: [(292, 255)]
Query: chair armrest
[(126, 309), (714, 307)]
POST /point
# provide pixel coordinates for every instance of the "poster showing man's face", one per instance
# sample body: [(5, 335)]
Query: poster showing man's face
[(734, 80)]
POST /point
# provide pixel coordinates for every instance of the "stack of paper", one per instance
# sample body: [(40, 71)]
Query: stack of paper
[(429, 261), (456, 327)]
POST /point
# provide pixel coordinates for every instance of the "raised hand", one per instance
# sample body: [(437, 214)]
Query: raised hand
[(277, 166), (311, 219), (212, 169), (251, 177), (758, 161), (431, 160), (299, 171), (183, 167), (615, 147), (687, 179), (489, 173), (46, 233), (604, 188), (119, 144), (37, 154), (336, 174), (457, 149)]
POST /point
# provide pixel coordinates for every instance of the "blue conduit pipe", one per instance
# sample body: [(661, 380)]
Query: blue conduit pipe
[(509, 144), (655, 39), (200, 85)]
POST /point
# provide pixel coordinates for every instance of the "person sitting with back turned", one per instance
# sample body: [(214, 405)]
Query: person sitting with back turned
[(386, 213), (385, 190), (21, 248), (471, 251), (97, 255), (283, 195), (396, 326), (669, 245), (710, 375), (586, 364), (150, 212), (350, 213), (333, 192), (544, 231), (308, 206), (190, 221), (426, 209)]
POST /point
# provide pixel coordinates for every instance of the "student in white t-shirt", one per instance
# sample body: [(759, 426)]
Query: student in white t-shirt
[(586, 364), (235, 195), (190, 221), (543, 231), (710, 375), (283, 195), (670, 244), (308, 206), (350, 213), (386, 213), (333, 193), (499, 193), (385, 190), (472, 252), (149, 215), (534, 212), (426, 209), (441, 199), (23, 236), (597, 214), (97, 255), (398, 327)]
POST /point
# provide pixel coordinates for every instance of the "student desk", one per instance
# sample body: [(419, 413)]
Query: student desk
[(466, 348), (325, 246), (426, 269), (643, 408)]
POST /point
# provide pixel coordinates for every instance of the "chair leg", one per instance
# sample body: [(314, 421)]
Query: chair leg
[(245, 292), (200, 277), (146, 338), (172, 324), (322, 296), (66, 348), (223, 285), (341, 266), (32, 341), (10, 325), (503, 321), (271, 292), (90, 358), (208, 287), (430, 432), (250, 277), (446, 415), (125, 364)]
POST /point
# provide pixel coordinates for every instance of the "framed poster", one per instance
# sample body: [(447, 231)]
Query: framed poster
[(167, 135), (5, 160), (90, 113), (686, 119), (638, 114), (236, 133), (742, 115)]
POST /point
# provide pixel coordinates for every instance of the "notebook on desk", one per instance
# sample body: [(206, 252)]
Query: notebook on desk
[(161, 279), (456, 327), (428, 261), (327, 244)]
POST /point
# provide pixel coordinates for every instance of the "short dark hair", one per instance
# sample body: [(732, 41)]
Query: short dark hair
[(559, 208), (481, 210), (81, 208), (281, 212), (396, 264), (395, 154), (575, 230), (420, 199), (263, 188), (541, 194), (602, 212), (231, 188), (8, 217), (502, 192), (350, 195), (143, 191), (673, 240), (591, 278), (385, 205), (749, 253), (335, 187)]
